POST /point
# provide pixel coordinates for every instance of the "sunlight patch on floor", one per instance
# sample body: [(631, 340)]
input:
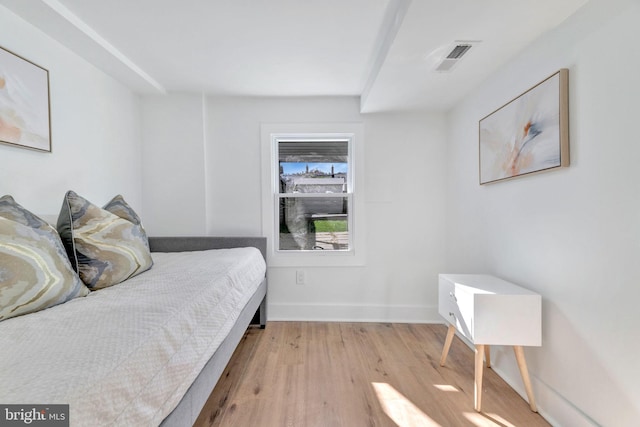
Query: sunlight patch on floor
[(400, 409), (445, 387)]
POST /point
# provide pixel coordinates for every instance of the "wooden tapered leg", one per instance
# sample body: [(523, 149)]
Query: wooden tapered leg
[(524, 372), (477, 388), (447, 344), (487, 355)]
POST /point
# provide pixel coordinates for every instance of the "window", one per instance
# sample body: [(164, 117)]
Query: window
[(313, 207), (313, 197)]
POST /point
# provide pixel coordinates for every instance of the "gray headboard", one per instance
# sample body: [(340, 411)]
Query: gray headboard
[(201, 243)]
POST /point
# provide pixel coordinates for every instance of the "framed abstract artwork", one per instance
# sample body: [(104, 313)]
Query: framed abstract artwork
[(24, 103), (528, 134)]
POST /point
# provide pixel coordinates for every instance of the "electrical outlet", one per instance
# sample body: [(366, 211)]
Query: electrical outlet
[(300, 277)]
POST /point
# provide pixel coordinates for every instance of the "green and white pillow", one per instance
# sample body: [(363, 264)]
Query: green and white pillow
[(35, 272), (105, 245)]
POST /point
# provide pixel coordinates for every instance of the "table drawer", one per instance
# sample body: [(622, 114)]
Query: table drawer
[(456, 306)]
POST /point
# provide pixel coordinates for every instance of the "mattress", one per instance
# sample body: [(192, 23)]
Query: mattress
[(126, 355)]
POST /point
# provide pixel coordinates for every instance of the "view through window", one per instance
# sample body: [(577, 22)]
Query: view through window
[(314, 195)]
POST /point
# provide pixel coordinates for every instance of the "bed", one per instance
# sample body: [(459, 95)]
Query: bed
[(254, 312), (147, 351)]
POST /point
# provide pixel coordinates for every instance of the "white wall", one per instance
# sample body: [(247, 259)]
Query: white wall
[(403, 161), (572, 235), (173, 171), (404, 197), (95, 127)]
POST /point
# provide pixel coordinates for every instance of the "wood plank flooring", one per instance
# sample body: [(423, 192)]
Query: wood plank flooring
[(312, 374)]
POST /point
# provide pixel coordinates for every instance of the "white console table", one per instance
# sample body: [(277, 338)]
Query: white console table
[(490, 311)]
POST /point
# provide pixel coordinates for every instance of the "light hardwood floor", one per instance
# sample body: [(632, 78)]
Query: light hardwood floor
[(308, 374)]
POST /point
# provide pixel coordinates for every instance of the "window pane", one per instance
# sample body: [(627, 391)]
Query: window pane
[(314, 223), (304, 184), (313, 166)]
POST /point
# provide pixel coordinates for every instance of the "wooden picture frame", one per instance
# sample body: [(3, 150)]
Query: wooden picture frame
[(527, 135), (25, 117)]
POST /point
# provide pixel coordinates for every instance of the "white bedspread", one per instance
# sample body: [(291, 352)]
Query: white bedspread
[(125, 355)]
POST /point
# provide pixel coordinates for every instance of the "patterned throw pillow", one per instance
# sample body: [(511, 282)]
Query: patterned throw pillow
[(106, 246), (35, 272)]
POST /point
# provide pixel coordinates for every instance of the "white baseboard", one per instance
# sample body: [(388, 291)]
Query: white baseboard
[(353, 313)]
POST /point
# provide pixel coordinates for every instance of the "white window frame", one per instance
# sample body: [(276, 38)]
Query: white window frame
[(319, 138), (271, 135)]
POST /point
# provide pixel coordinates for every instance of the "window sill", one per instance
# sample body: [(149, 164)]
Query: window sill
[(318, 258)]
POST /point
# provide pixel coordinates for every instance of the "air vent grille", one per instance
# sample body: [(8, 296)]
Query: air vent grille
[(456, 51)]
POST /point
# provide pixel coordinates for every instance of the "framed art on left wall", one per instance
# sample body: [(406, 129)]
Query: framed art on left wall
[(24, 103)]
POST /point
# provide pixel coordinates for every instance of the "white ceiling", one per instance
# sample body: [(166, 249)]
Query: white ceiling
[(383, 50)]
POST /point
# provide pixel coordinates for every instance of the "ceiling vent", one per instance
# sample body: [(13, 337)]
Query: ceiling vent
[(456, 52)]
